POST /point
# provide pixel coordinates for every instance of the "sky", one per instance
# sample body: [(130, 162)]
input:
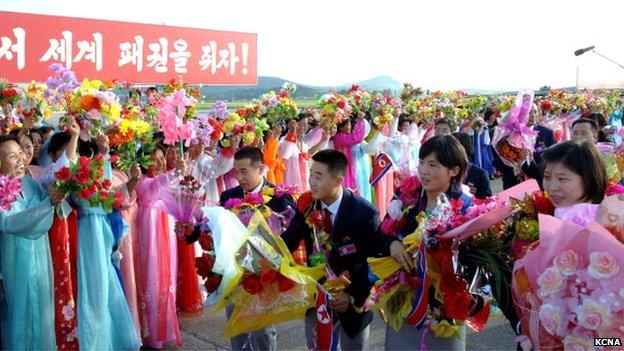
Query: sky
[(442, 44)]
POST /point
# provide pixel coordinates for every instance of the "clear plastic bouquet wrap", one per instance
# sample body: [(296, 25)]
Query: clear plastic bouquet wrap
[(265, 285), (568, 290), (182, 197)]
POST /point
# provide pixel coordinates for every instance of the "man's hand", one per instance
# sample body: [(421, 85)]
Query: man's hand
[(397, 251), (340, 303)]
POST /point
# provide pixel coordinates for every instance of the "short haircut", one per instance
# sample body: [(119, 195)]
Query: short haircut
[(466, 141), (335, 161), (449, 152), (445, 121), (253, 154), (591, 122), (582, 158)]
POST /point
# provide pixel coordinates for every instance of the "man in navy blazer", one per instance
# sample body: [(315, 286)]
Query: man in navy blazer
[(476, 177), (545, 139), (249, 168), (354, 232)]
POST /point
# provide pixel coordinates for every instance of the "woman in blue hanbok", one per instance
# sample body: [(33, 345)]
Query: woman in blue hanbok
[(27, 317), (104, 318)]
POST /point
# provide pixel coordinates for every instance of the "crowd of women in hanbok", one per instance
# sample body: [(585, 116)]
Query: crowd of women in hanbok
[(81, 272)]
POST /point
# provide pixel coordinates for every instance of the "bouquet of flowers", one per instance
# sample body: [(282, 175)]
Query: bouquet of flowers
[(127, 134), (513, 139), (9, 93), (34, 106), (236, 125), (192, 93), (383, 109), (95, 109), (61, 85), (86, 179), (424, 108), (10, 190), (334, 108), (474, 103), (568, 289), (181, 196), (404, 296), (279, 107), (174, 114), (359, 99), (269, 287), (409, 93), (246, 207), (207, 126), (206, 262)]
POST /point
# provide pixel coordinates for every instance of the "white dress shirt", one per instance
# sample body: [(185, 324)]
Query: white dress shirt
[(334, 206)]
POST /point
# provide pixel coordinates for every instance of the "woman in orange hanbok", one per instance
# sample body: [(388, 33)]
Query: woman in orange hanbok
[(274, 162)]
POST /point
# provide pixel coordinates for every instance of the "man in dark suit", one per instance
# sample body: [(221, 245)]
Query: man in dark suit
[(353, 231), (476, 177), (545, 139), (249, 169)]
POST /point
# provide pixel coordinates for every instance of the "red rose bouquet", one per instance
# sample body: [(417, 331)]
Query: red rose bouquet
[(86, 179)]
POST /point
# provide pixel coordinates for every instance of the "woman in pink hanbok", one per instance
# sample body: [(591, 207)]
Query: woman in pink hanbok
[(344, 140), (157, 259)]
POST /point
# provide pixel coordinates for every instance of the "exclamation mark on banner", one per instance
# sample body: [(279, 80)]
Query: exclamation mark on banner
[(245, 51)]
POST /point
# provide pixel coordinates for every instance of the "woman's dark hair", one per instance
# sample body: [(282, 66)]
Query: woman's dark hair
[(58, 141), (7, 138), (343, 123), (44, 130), (303, 115), (335, 161), (466, 141), (87, 148), (25, 135), (582, 158), (404, 118), (602, 122), (445, 121), (449, 152), (488, 113), (147, 151)]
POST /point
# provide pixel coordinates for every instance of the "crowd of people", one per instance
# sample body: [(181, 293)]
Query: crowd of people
[(75, 275)]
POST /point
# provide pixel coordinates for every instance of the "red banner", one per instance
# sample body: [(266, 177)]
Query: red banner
[(108, 50)]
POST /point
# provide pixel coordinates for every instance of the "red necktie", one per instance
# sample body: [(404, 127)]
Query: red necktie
[(328, 223)]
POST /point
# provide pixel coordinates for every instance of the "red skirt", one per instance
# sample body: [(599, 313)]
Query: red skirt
[(189, 299), (63, 236)]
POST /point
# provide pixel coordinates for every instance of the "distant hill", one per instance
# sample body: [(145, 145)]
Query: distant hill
[(265, 84)]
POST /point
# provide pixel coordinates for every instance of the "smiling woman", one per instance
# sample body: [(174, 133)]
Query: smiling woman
[(575, 180)]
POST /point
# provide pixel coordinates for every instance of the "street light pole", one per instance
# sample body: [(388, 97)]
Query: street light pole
[(592, 48)]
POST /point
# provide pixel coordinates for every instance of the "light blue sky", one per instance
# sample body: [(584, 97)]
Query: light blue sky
[(438, 44)]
